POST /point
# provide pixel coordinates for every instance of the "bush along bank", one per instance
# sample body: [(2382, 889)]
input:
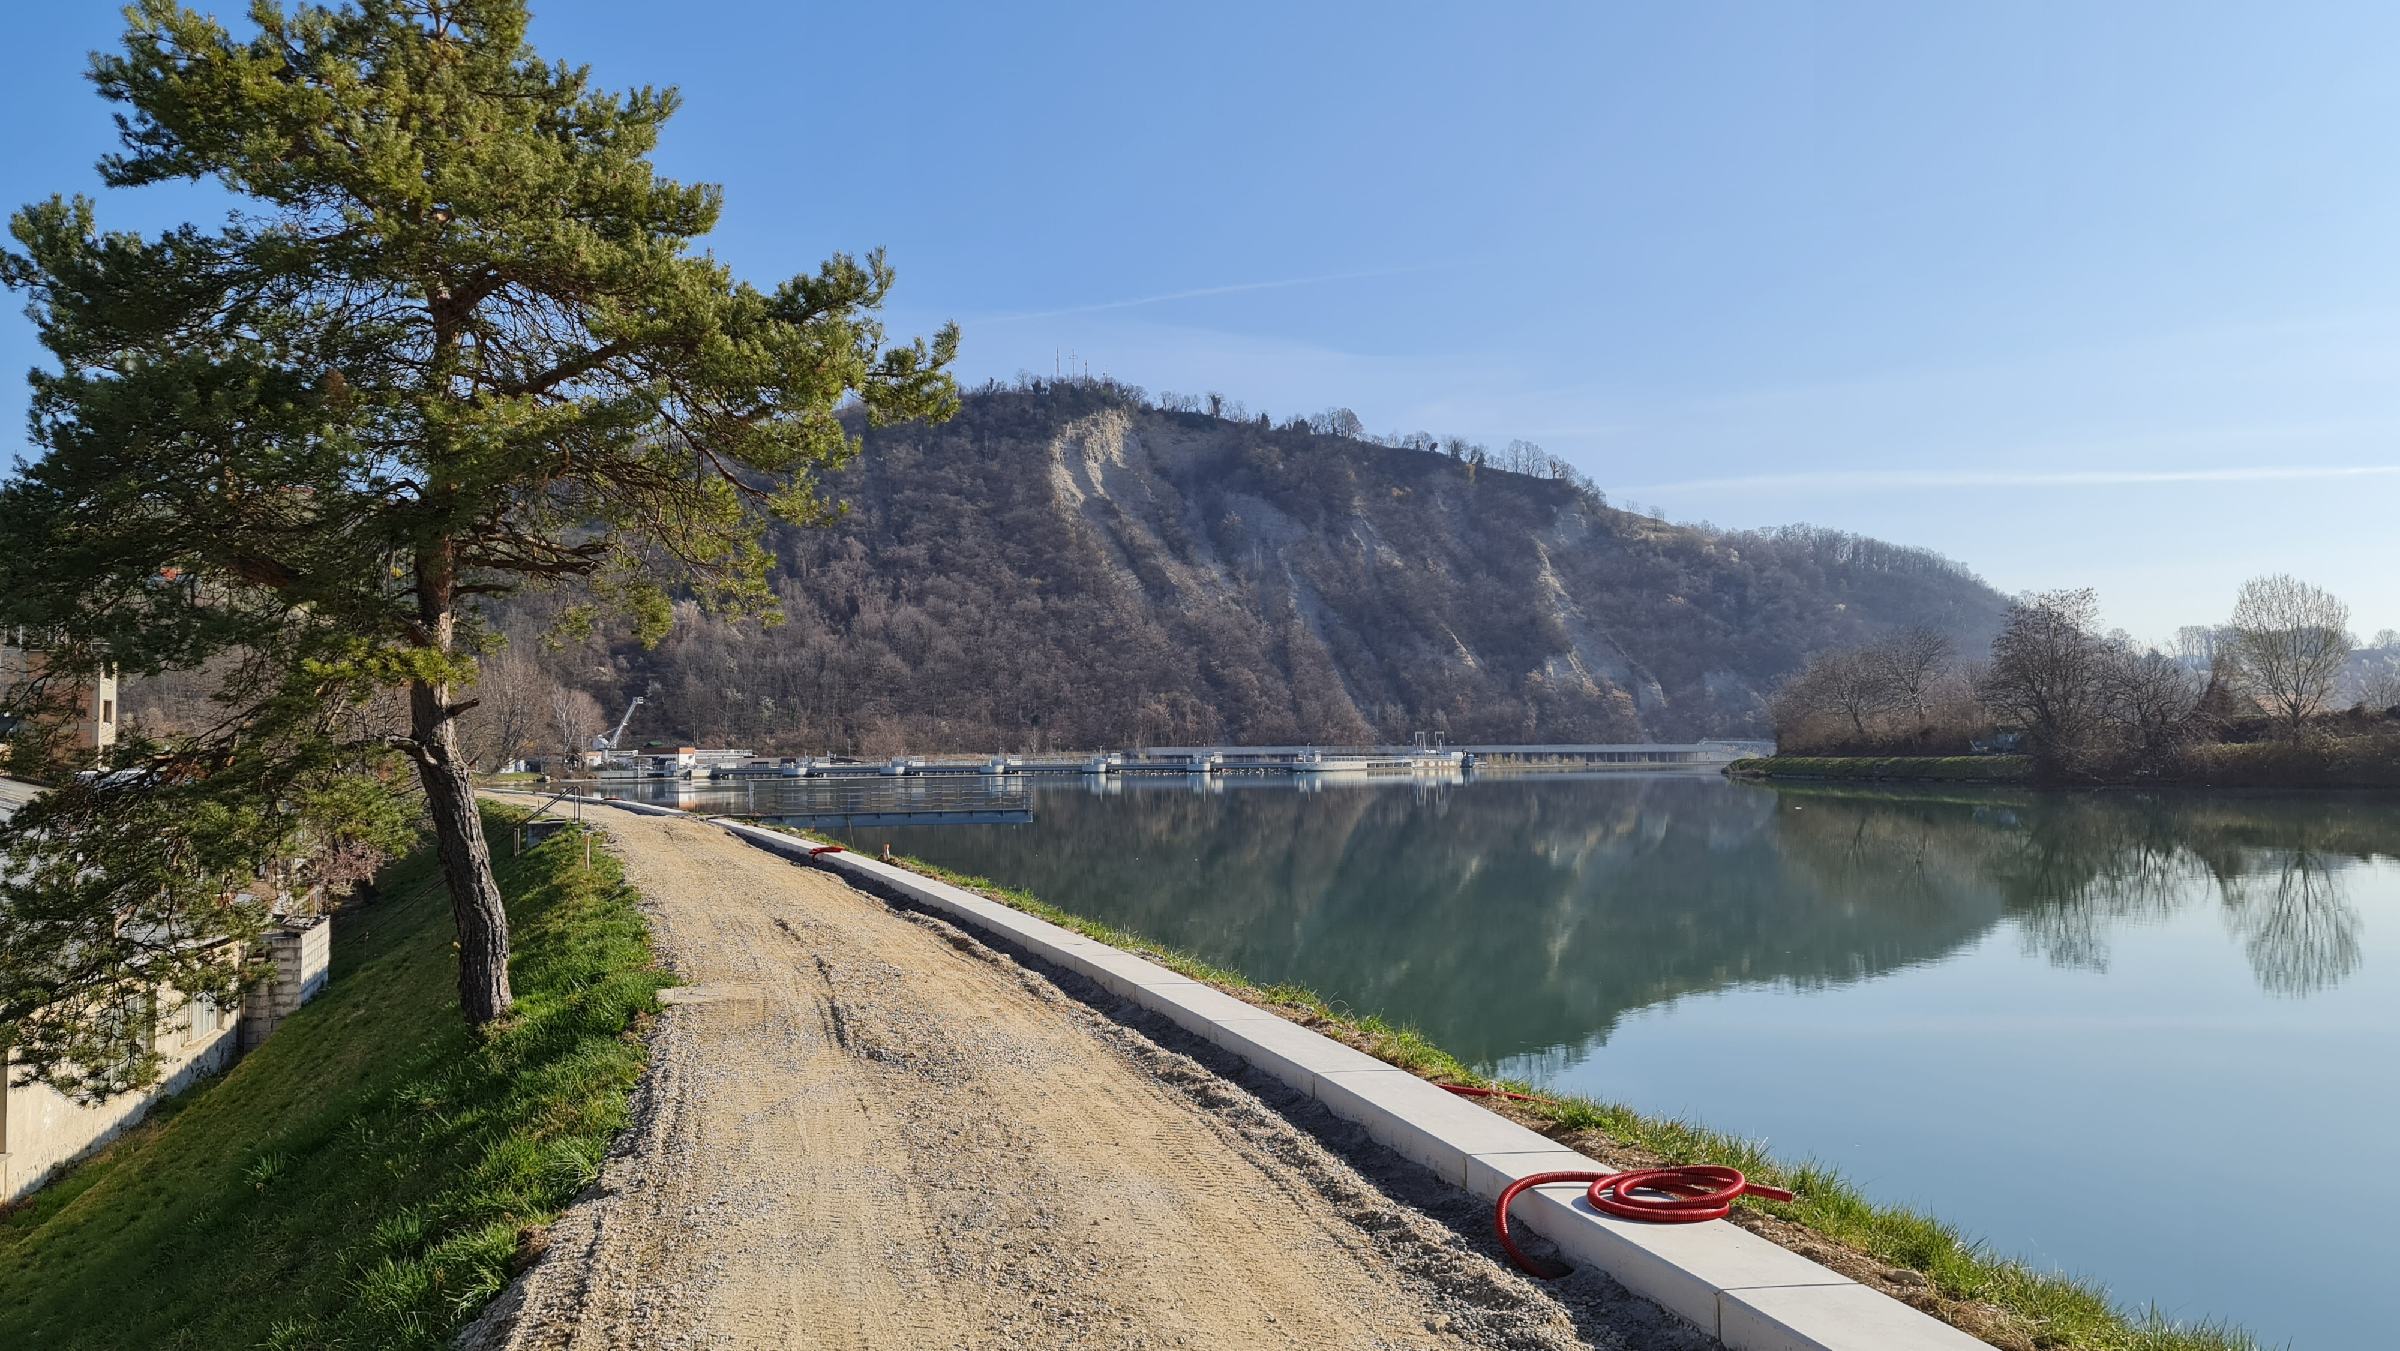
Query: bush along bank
[(2316, 760), (1891, 768), (374, 1173), (1912, 1257)]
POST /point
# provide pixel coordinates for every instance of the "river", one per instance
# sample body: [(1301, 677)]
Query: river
[(2104, 1032)]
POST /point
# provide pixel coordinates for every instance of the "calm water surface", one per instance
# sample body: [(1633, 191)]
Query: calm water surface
[(2112, 1033)]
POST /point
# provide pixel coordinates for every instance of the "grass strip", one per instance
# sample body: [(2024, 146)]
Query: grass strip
[(375, 1172), (1911, 1256)]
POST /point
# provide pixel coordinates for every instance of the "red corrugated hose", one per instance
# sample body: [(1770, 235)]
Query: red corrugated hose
[(1684, 1195)]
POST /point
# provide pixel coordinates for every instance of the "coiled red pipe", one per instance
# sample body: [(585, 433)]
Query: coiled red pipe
[(1685, 1195)]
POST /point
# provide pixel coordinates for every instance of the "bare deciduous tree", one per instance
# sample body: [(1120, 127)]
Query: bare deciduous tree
[(1913, 661), (2200, 646), (1850, 686), (575, 719), (2152, 697), (2373, 678), (2292, 640), (2049, 670), (1856, 687), (511, 694), (1337, 422), (2379, 682)]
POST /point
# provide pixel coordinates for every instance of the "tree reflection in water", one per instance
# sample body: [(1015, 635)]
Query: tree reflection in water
[(2074, 868), (1509, 916), (2296, 924)]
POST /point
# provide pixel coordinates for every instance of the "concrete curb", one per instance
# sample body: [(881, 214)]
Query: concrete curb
[(1751, 1294)]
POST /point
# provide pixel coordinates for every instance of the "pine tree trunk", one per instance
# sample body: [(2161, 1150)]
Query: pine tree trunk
[(466, 860)]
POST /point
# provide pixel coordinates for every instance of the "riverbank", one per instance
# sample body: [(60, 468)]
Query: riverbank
[(374, 1172), (1909, 1256), (2364, 761), (1887, 768)]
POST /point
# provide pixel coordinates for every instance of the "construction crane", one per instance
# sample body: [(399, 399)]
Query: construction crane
[(608, 744)]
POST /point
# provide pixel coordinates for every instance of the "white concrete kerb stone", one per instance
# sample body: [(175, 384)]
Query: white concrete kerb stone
[(1752, 1295)]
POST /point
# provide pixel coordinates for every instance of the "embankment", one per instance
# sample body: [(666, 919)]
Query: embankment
[(372, 1174)]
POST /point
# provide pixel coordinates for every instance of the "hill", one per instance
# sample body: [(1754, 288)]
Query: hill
[(1068, 565)]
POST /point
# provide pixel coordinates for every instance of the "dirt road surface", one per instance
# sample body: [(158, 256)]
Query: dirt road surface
[(862, 1127)]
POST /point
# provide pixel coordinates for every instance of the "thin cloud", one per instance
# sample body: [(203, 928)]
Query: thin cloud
[(1199, 292), (1845, 480)]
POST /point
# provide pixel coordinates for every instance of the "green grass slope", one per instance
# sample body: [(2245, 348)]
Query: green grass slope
[(371, 1175)]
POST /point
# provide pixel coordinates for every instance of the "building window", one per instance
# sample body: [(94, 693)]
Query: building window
[(206, 1018), (108, 711)]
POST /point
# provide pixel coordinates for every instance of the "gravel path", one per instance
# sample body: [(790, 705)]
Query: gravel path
[(862, 1127)]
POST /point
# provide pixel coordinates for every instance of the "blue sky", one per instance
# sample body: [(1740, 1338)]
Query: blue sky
[(2080, 295)]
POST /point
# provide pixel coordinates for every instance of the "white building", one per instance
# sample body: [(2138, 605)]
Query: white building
[(43, 1130)]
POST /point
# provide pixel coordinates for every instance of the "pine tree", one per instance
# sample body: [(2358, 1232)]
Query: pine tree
[(453, 341)]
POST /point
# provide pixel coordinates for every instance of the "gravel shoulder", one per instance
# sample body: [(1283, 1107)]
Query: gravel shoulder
[(865, 1127)]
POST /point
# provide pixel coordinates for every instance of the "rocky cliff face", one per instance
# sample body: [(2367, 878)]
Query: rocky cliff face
[(1069, 567)]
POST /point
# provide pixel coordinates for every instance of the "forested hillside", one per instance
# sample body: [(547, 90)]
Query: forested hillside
[(1068, 565)]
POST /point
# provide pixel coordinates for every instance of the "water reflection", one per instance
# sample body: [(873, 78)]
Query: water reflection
[(2075, 868), (2156, 979), (2298, 928), (1508, 917)]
